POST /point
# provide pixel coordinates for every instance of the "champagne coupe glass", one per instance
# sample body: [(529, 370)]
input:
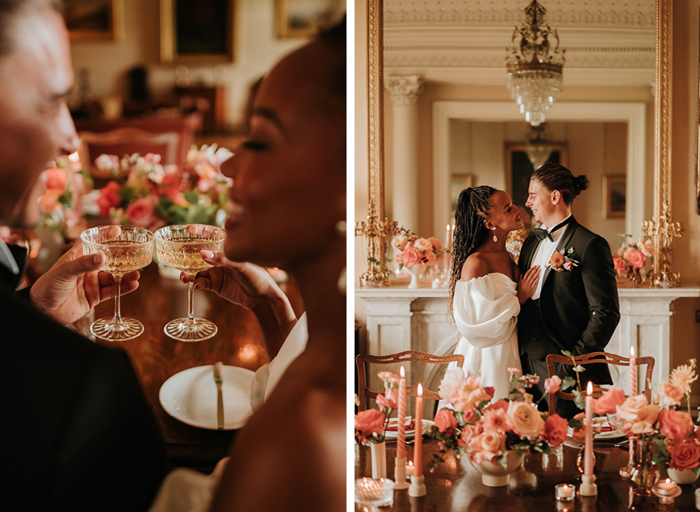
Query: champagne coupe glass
[(178, 247), (127, 248)]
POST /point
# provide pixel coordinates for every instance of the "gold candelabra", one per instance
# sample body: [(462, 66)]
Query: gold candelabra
[(662, 232), (375, 232)]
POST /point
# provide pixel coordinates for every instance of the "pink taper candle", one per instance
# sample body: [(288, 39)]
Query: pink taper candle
[(401, 442), (588, 453), (633, 372), (448, 246), (418, 446)]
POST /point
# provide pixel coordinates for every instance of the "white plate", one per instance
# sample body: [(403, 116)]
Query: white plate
[(392, 435), (190, 396)]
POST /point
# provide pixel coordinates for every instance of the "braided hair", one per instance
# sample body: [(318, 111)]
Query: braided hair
[(557, 177), (470, 232)]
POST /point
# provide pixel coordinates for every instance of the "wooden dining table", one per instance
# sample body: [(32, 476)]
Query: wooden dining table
[(156, 357), (455, 486)]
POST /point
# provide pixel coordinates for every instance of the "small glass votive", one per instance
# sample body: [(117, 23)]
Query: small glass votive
[(565, 492), (374, 492), (666, 491), (409, 469)]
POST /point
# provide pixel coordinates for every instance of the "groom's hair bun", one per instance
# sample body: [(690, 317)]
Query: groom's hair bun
[(557, 177)]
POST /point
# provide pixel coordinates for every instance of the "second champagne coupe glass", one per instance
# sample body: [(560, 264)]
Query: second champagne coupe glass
[(178, 247), (127, 248)]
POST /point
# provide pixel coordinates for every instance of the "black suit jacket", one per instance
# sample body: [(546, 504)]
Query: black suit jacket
[(579, 309), (77, 431)]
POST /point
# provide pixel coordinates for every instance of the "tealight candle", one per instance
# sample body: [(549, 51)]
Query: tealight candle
[(666, 491), (409, 468), (565, 492), (667, 486)]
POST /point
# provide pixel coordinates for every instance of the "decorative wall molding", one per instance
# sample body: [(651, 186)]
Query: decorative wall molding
[(404, 90)]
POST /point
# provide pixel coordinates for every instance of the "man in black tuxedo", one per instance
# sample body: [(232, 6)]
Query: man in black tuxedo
[(575, 306), (78, 433)]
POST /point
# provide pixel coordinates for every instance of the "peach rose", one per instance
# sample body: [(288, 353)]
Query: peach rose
[(142, 212), (607, 404), (423, 245), (411, 256), (369, 422), (684, 455), (48, 202), (430, 259), (646, 417), (555, 429), (557, 260), (636, 259), (469, 432), (675, 425), (629, 409), (494, 420), (673, 393), (437, 245), (525, 420), (449, 383), (469, 394), (620, 266), (109, 198), (56, 179), (552, 384), (399, 242), (487, 446), (387, 401), (469, 416), (445, 421)]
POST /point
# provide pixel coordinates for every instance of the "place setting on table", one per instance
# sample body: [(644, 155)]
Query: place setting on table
[(483, 452)]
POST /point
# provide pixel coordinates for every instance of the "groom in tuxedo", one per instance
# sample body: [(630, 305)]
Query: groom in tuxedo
[(575, 306)]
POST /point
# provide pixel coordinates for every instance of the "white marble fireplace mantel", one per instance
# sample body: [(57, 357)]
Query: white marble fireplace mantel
[(401, 319)]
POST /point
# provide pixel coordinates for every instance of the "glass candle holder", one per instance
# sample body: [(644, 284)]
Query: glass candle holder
[(666, 491), (565, 492), (373, 493)]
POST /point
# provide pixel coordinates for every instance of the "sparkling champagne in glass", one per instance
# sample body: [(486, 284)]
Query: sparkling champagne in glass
[(179, 247), (127, 248)]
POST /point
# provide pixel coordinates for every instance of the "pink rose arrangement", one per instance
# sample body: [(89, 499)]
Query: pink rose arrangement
[(486, 430), (60, 203), (154, 195), (370, 424), (632, 256), (412, 250)]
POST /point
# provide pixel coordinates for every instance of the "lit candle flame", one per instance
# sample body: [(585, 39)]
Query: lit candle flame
[(631, 350), (589, 389), (420, 390), (402, 372), (73, 157)]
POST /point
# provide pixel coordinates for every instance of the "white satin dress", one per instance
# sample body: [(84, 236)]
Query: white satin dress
[(486, 313)]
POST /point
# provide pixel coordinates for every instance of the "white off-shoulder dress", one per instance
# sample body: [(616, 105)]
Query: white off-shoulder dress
[(486, 313)]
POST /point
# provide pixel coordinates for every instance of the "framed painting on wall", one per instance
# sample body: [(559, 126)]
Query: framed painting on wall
[(615, 194), (303, 18), (196, 32), (459, 182), (94, 20)]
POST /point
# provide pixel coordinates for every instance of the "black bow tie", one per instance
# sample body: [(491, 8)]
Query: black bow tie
[(541, 234)]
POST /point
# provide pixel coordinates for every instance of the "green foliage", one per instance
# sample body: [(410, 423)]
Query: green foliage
[(567, 382)]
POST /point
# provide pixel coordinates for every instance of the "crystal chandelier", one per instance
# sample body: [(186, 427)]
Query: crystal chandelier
[(534, 67), (538, 147)]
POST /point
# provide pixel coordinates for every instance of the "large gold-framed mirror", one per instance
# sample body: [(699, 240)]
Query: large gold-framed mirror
[(657, 117)]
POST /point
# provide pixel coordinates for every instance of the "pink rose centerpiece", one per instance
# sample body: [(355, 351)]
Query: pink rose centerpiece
[(494, 432), (60, 203), (154, 195), (631, 257), (371, 424), (412, 250)]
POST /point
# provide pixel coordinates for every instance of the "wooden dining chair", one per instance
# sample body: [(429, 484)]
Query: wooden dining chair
[(593, 358), (364, 360)]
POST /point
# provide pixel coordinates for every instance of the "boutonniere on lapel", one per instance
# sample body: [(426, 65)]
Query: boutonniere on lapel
[(561, 261)]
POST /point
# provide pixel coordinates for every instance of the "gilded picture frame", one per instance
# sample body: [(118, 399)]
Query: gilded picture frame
[(94, 20), (197, 32), (303, 18), (615, 195)]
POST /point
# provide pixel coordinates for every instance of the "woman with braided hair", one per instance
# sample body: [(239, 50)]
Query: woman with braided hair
[(486, 288)]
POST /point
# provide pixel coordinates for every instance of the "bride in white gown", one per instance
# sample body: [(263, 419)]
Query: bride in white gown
[(486, 288)]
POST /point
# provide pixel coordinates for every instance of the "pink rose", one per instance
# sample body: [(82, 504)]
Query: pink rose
[(430, 258), (445, 421), (56, 179), (469, 394), (628, 410), (109, 163), (636, 259), (525, 420), (469, 432), (449, 383), (387, 401), (552, 384), (399, 242), (170, 185), (494, 420), (555, 429), (673, 393), (389, 378), (498, 404), (490, 390), (423, 245), (514, 371), (48, 202), (469, 416), (487, 446), (142, 212), (684, 455), (437, 245), (607, 404), (109, 198), (398, 259), (620, 266), (369, 422), (411, 256), (675, 425), (568, 266), (646, 417)]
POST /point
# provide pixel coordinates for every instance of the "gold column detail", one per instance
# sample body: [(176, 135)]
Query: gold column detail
[(663, 232), (375, 232)]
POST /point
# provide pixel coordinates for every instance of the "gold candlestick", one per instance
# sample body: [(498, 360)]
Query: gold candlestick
[(662, 232), (375, 232)]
